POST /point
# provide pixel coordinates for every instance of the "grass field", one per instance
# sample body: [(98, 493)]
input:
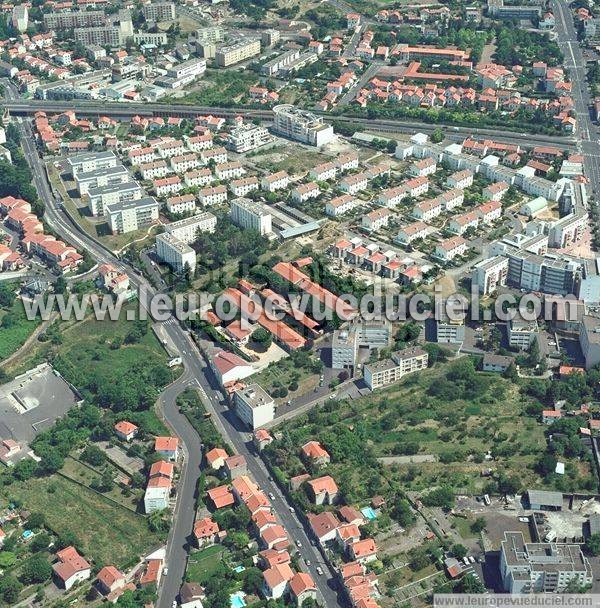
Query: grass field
[(16, 333), (203, 564), (108, 534)]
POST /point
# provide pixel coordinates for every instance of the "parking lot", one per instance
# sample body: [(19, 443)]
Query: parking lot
[(32, 402)]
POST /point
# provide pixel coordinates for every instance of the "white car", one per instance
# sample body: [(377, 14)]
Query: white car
[(298, 544), (271, 496), (292, 510), (319, 570), (174, 603)]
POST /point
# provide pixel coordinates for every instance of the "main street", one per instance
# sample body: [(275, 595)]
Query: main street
[(587, 131), (198, 374)]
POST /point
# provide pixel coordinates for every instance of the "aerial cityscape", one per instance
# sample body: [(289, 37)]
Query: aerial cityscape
[(299, 303)]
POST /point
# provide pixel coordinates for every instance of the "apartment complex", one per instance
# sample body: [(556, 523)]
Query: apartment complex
[(177, 254), (250, 214), (187, 229), (389, 371), (247, 137), (91, 161), (300, 125), (69, 20), (234, 53), (159, 11), (254, 406), (128, 216), (114, 33), (99, 197)]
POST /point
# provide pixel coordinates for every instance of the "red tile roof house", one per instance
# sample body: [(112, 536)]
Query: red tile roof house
[(262, 519), (236, 466), (71, 568), (323, 490), (2, 536), (125, 431), (302, 587), (324, 526), (215, 458), (168, 447), (346, 534), (351, 515), (363, 551), (275, 581), (262, 438), (314, 452), (109, 579), (207, 533), (275, 537), (221, 497), (269, 558)]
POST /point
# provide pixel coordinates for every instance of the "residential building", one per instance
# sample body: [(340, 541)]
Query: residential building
[(99, 197), (568, 230), (109, 580), (177, 254), (275, 181), (114, 33), (68, 20), (449, 330), (235, 53), (341, 204), (589, 339), (323, 491), (70, 568), (344, 348), (448, 249), (250, 214), (496, 363), (460, 179), (126, 431), (489, 274), (91, 161), (389, 371), (412, 232), (247, 137), (542, 567), (376, 219), (187, 229), (243, 186), (186, 203), (99, 178), (522, 333), (304, 192), (168, 447), (20, 17), (228, 367), (254, 406), (302, 126), (213, 195), (128, 216), (159, 11)]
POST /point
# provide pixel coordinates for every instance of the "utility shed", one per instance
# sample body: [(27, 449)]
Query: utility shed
[(542, 500)]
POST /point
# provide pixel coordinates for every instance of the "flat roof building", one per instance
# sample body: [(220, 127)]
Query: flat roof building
[(254, 406)]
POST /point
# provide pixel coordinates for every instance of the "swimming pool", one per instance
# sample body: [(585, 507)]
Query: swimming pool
[(27, 534), (239, 569), (237, 600), (369, 513)]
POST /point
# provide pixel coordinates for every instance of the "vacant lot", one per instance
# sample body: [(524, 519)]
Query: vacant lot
[(108, 534), (203, 564), (14, 328)]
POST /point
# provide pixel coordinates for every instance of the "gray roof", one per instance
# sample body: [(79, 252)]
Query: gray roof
[(544, 497), (594, 523)]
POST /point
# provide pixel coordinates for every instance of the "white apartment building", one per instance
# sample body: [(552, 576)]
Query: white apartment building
[(589, 340), (98, 198), (347, 162), (186, 203), (304, 192), (247, 137), (253, 406), (392, 196), (250, 214), (340, 205), (213, 195), (167, 185), (218, 155), (452, 198), (101, 178), (384, 373), (522, 333), (68, 20), (270, 68), (128, 216), (231, 170), (200, 142), (428, 209), (275, 181), (352, 184), (344, 349), (417, 186), (244, 185), (177, 254), (490, 274), (20, 17), (156, 499), (448, 249), (300, 125), (185, 162), (412, 232), (489, 212), (170, 148), (91, 161), (376, 219), (187, 229), (234, 53), (568, 230), (461, 179), (495, 192), (187, 71), (324, 172), (154, 170), (199, 177)]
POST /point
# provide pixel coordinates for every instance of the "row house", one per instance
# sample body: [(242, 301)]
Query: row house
[(377, 219), (243, 186), (186, 203), (198, 177), (383, 169), (232, 170), (459, 224), (460, 179), (218, 155), (185, 162), (197, 143), (412, 232), (347, 162), (154, 169), (170, 148), (275, 181), (490, 212), (212, 123), (141, 156), (340, 205), (213, 195), (352, 184), (428, 209), (495, 192), (167, 185), (54, 252), (304, 192), (324, 172), (423, 168), (448, 249)]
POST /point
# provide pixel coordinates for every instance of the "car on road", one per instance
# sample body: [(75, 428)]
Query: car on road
[(298, 544), (319, 571), (174, 603), (271, 496), (307, 562), (165, 571), (292, 510)]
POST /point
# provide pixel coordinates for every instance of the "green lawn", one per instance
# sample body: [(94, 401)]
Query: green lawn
[(15, 332), (108, 534), (204, 563)]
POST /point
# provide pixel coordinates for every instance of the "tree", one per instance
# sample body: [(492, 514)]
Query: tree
[(40, 542), (25, 469), (10, 588), (7, 559), (36, 570), (478, 525), (593, 544), (262, 336), (459, 551), (437, 136), (36, 521), (440, 497), (469, 584), (93, 455)]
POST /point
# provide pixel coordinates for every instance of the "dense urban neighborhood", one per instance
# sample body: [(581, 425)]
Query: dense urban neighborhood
[(299, 302)]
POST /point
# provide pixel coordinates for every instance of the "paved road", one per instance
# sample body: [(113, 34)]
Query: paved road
[(199, 374)]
